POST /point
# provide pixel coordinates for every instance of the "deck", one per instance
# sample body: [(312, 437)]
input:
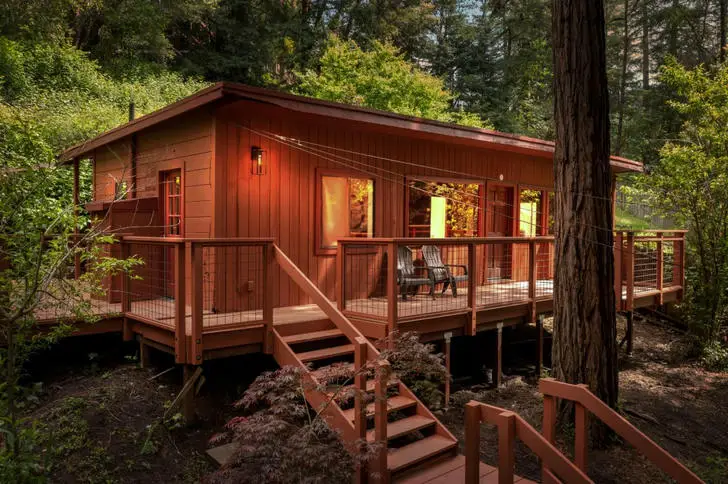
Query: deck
[(218, 298)]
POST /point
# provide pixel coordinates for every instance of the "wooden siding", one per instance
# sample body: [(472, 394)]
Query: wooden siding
[(282, 202), (185, 142)]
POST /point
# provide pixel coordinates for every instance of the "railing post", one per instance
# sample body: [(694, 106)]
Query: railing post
[(532, 277), (539, 338), (549, 430), (448, 339), (391, 288), (581, 432), (471, 327), (195, 352), (618, 270), (629, 269), (268, 290), (380, 419), (472, 442), (506, 447), (681, 267), (125, 250), (341, 276), (180, 305), (660, 267), (360, 419)]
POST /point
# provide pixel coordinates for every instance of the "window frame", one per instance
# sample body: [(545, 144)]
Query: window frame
[(544, 206), (319, 248)]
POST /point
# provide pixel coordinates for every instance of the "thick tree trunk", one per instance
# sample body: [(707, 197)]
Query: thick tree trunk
[(721, 29), (585, 349), (645, 46)]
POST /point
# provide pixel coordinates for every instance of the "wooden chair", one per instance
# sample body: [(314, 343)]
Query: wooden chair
[(407, 276), (442, 273)]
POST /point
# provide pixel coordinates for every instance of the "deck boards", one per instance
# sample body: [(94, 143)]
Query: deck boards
[(453, 470)]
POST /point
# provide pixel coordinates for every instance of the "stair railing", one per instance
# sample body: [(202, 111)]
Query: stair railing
[(585, 401), (511, 425)]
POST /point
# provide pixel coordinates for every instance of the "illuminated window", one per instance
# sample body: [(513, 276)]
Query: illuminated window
[(552, 208), (347, 209), (438, 209), (531, 213)]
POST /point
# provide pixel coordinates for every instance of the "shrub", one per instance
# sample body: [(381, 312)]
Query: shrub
[(417, 365)]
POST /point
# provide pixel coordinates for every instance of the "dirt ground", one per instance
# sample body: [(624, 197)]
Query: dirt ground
[(101, 413), (675, 402)]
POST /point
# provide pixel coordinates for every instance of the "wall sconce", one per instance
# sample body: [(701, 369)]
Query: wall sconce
[(257, 166)]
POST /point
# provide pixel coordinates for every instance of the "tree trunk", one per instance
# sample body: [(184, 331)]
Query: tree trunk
[(585, 349), (626, 42), (721, 30), (645, 46)]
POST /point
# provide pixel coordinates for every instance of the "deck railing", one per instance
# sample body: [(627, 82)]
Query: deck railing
[(198, 287), (648, 264), (585, 404), (396, 280)]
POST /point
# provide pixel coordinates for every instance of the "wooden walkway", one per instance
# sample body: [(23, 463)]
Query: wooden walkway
[(453, 471)]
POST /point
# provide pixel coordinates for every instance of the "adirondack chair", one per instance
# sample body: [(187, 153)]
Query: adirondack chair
[(407, 276), (442, 273)]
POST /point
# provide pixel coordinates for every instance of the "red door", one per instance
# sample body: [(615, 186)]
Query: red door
[(171, 191), (499, 224)]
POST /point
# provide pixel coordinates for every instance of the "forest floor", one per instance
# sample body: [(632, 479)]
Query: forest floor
[(99, 414)]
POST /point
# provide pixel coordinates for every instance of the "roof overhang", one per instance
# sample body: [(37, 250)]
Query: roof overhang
[(455, 133)]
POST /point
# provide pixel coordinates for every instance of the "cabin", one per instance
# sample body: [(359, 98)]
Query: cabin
[(307, 229)]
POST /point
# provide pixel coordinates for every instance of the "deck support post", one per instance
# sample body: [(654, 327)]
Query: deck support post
[(268, 259), (448, 338), (629, 271), (618, 255), (630, 331), (144, 356), (188, 399), (195, 351), (532, 279), (539, 339), (499, 356), (180, 304), (659, 269)]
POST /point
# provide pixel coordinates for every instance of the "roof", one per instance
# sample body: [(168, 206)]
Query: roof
[(456, 133)]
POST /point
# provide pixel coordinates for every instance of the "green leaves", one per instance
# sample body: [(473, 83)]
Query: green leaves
[(380, 78)]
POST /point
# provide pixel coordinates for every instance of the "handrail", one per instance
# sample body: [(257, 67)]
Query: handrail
[(581, 395), (447, 241), (510, 425), (199, 240)]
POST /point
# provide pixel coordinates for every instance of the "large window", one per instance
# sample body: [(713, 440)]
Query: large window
[(347, 209), (439, 209), (535, 215)]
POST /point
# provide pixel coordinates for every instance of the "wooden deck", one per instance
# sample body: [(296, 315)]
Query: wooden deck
[(453, 471)]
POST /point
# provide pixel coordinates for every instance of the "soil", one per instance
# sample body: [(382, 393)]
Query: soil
[(670, 398), (100, 413)]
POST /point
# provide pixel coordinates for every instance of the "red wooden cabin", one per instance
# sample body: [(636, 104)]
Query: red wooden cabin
[(267, 219)]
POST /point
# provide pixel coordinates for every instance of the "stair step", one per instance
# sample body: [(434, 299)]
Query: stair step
[(404, 426), (397, 402), (416, 452), (313, 336), (318, 373), (325, 353)]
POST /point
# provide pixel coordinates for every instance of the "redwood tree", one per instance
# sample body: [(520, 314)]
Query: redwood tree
[(585, 349)]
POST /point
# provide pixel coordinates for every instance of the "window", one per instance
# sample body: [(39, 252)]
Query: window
[(439, 209), (552, 207), (530, 213), (347, 209)]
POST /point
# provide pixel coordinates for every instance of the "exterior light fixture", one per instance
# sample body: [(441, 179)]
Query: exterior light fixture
[(257, 166)]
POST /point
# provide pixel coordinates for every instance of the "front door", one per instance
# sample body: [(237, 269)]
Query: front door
[(172, 201), (499, 224)]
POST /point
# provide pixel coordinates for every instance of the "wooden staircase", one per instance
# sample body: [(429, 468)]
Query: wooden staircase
[(352, 387)]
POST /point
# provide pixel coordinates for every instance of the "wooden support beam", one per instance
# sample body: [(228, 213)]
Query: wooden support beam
[(187, 395), (499, 356), (268, 292), (360, 420), (380, 420), (618, 262), (629, 271), (76, 204), (144, 357), (539, 330), (448, 338), (506, 447), (180, 304), (659, 268), (581, 435), (532, 278), (630, 331), (548, 431), (196, 255)]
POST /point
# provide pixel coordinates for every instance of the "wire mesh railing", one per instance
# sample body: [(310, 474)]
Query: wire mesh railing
[(405, 279)]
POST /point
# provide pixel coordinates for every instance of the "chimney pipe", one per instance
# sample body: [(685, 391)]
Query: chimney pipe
[(131, 111)]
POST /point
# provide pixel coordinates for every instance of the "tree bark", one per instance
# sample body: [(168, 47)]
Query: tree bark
[(585, 348), (721, 29), (645, 46)]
